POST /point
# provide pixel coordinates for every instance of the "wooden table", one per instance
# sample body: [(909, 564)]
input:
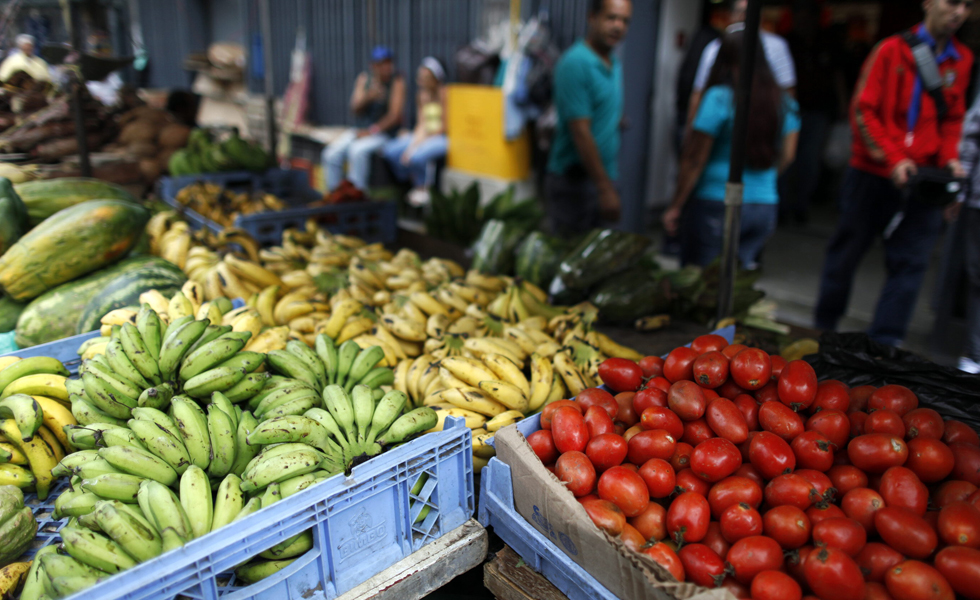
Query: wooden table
[(508, 578)]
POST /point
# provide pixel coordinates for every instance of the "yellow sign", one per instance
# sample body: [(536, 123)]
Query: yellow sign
[(475, 129)]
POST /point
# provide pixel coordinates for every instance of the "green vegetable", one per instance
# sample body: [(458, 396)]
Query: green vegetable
[(494, 249), (537, 258), (46, 197), (13, 216), (602, 253), (630, 295)]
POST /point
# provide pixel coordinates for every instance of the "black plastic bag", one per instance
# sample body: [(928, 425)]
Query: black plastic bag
[(856, 359)]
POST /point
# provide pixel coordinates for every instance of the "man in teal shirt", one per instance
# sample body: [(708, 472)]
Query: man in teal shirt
[(582, 168)]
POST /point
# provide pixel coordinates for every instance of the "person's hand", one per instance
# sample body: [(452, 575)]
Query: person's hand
[(952, 212), (956, 168), (406, 156), (363, 133), (609, 203), (904, 170), (671, 220)]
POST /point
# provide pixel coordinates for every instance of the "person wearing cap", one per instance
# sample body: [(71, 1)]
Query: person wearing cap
[(377, 103), (412, 154), (25, 60)]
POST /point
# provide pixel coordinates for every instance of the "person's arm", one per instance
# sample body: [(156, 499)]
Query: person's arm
[(791, 133), (951, 127), (694, 157), (705, 64), (787, 153), (970, 146), (358, 97), (588, 152), (396, 106)]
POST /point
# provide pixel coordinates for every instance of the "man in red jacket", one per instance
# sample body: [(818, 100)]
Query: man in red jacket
[(897, 128)]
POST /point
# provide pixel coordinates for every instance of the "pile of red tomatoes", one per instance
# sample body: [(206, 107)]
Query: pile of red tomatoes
[(730, 467)]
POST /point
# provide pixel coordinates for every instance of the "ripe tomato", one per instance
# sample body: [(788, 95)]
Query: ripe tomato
[(659, 477), (697, 431), (575, 470), (726, 420), (751, 368), (957, 431), (820, 482), (598, 397), (569, 430), (832, 423), (714, 540), (709, 394), (543, 445), (687, 481), (780, 419), (876, 591), (732, 350), (752, 555), (929, 458), (549, 411), (710, 369), (654, 443), (877, 452), (652, 522), (625, 413), (876, 558), (679, 364), (652, 366), (831, 395), (791, 489), (885, 421), (750, 411), (778, 364), (731, 491), (605, 515), (857, 420), (797, 385), (775, 585), (620, 374), (702, 565), (632, 538), (629, 433), (966, 462), (788, 525), (606, 451), (954, 490), (795, 561), (915, 580), (682, 456), (900, 487), (711, 342), (597, 421), (771, 455), (661, 383), (846, 534), (822, 512), (665, 556), (846, 478), (715, 459), (767, 393), (688, 517), (897, 398), (687, 400), (833, 575), (624, 488), (813, 451), (730, 389), (649, 397), (859, 397), (959, 525), (659, 417), (905, 531), (961, 568), (861, 504), (924, 422), (739, 521)]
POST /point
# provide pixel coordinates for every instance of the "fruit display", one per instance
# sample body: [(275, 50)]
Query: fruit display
[(459, 216), (205, 154), (736, 469), (45, 197), (17, 526), (223, 206)]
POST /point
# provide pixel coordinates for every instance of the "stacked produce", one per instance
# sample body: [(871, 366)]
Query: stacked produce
[(47, 132), (17, 529), (34, 411), (206, 154), (223, 206), (460, 216), (733, 468)]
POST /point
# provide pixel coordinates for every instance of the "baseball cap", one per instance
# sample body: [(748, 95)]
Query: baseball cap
[(381, 53)]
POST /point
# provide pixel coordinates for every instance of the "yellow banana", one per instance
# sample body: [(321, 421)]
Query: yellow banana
[(505, 393), (504, 419), (483, 346), (469, 370), (342, 311), (383, 334), (250, 271), (507, 370), (473, 420), (471, 399), (574, 379), (6, 361), (610, 348), (266, 304), (119, 316), (542, 375), (56, 416), (273, 338), (353, 328), (367, 340), (41, 384)]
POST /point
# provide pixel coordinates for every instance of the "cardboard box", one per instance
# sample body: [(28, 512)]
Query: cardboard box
[(545, 503)]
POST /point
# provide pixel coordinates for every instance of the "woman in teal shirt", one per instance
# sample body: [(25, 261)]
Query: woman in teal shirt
[(774, 125)]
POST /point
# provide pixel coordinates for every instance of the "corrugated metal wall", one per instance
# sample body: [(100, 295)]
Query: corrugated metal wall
[(172, 29)]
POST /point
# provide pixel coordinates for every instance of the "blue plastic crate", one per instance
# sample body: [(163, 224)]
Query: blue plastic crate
[(370, 221), (361, 524)]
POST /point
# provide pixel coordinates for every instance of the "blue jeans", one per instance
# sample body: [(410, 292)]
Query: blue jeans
[(758, 225), (420, 167), (356, 152), (868, 204)]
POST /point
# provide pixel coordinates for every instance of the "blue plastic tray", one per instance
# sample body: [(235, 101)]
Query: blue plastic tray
[(542, 554), (361, 524), (370, 221)]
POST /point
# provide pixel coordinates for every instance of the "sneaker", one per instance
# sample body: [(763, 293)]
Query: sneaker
[(418, 197), (968, 365)]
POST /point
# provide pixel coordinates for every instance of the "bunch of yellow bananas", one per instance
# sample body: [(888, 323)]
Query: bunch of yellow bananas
[(223, 206), (34, 409)]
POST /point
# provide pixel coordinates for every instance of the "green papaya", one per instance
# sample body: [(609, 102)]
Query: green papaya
[(13, 215)]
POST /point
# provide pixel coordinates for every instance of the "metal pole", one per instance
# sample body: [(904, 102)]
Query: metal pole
[(270, 96), (76, 92), (734, 189)]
